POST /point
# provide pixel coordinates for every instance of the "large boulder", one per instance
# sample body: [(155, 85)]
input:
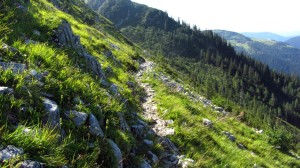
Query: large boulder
[(52, 113), (10, 152), (78, 118), (117, 153), (95, 128)]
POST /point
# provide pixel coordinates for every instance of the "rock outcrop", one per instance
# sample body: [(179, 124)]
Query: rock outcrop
[(52, 113), (65, 37), (78, 118), (94, 126)]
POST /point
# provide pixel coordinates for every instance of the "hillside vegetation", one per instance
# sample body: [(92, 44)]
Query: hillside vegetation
[(268, 95), (75, 92)]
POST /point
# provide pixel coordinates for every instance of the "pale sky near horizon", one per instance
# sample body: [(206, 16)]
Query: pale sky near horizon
[(277, 16)]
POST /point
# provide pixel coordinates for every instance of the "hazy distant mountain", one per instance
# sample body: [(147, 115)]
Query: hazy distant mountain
[(278, 55), (295, 41), (266, 36)]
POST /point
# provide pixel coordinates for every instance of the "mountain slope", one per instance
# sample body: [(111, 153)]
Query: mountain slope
[(68, 96), (74, 92), (154, 30), (266, 36), (295, 41), (279, 56)]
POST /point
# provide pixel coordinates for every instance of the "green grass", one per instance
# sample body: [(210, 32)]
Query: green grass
[(209, 147), (68, 78)]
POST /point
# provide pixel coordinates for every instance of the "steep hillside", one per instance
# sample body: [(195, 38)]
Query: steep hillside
[(295, 41), (278, 55), (68, 96), (242, 80), (266, 36), (74, 92)]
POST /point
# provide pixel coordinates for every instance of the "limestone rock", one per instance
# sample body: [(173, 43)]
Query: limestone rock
[(144, 164), (36, 75), (138, 131), (31, 164), (207, 122), (15, 67), (148, 143), (6, 90), (114, 89), (230, 136), (66, 37), (9, 48), (95, 128), (169, 161), (94, 65), (152, 157), (10, 152), (123, 124), (52, 113), (117, 153), (185, 162), (241, 146), (78, 118), (168, 145)]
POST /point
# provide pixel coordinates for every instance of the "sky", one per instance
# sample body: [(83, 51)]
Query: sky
[(277, 16)]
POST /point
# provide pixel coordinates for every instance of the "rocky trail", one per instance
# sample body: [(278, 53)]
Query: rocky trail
[(160, 126)]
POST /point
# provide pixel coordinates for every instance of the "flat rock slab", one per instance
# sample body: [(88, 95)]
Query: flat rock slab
[(15, 67)]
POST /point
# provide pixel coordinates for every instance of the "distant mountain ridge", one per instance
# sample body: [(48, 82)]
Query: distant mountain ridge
[(278, 55), (266, 36), (295, 41)]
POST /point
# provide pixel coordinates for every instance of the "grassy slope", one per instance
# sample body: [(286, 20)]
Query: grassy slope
[(209, 147), (68, 78)]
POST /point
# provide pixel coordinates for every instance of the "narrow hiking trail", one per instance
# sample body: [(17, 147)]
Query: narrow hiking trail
[(159, 126), (162, 128)]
